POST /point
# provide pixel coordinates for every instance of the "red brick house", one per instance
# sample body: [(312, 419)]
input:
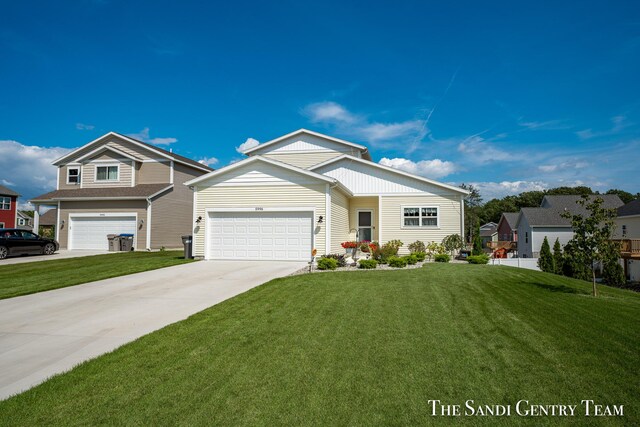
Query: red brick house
[(8, 206)]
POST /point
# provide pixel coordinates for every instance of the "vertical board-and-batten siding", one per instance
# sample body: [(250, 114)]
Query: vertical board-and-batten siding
[(339, 220), (312, 196), (392, 222), (89, 175), (172, 211)]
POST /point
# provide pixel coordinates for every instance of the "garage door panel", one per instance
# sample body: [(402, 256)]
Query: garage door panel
[(89, 232), (260, 235)]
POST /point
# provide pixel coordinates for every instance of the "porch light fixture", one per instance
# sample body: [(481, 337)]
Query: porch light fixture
[(141, 222), (62, 223), (320, 219), (198, 220)]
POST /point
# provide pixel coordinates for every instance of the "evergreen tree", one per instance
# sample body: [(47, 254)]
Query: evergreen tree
[(558, 257), (477, 243), (545, 260)]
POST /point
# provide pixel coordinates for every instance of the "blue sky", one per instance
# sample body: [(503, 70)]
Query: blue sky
[(510, 96)]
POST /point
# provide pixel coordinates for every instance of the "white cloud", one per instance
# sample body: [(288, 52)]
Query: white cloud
[(29, 167), (144, 136), (564, 166), (209, 161), (406, 134), (82, 126), (478, 150), (618, 124), (248, 144), (435, 168), (491, 190), (7, 183), (546, 125)]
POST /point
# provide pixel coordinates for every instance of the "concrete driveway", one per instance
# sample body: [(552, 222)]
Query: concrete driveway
[(50, 332), (61, 254)]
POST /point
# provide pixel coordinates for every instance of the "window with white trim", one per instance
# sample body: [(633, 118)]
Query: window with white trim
[(5, 203), (107, 173), (420, 216), (73, 175), (22, 221)]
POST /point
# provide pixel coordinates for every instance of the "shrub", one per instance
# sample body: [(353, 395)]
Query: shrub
[(477, 243), (338, 257), (384, 252), (411, 259), (420, 256), (441, 258), (613, 273), (558, 257), (546, 261), (452, 243), (327, 264), (417, 246), (394, 244), (397, 262), (367, 263), (478, 259)]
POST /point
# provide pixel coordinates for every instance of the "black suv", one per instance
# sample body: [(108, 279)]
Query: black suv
[(14, 241)]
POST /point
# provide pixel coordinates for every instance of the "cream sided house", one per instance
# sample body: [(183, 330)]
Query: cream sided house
[(306, 191), (119, 185)]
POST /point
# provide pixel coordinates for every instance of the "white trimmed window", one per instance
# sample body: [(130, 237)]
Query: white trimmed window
[(107, 173), (420, 216), (73, 175), (5, 203), (22, 221)]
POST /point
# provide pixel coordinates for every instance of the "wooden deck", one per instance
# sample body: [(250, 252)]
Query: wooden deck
[(629, 248), (502, 244)]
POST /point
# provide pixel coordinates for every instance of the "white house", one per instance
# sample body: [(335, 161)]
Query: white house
[(306, 191), (534, 224), (628, 230)]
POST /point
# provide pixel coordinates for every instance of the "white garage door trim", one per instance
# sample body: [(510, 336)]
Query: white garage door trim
[(210, 211), (101, 215)]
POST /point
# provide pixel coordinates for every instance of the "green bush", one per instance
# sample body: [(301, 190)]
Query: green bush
[(327, 264), (411, 259), (441, 258), (397, 262), (613, 273), (337, 257), (478, 259), (420, 256), (417, 246), (386, 251), (367, 263)]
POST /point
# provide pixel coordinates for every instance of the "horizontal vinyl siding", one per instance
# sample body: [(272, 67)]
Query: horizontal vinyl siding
[(633, 227), (339, 220), (118, 144), (303, 160), (89, 173), (172, 212), (392, 218), (104, 206), (154, 173), (313, 196)]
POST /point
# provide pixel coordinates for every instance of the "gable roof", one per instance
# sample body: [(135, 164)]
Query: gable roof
[(362, 148), (511, 218), (22, 214), (550, 217), (157, 150), (4, 191), (103, 149), (270, 161), (390, 169), (631, 208)]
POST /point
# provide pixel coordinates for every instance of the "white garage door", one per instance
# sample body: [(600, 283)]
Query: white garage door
[(260, 235), (89, 232)]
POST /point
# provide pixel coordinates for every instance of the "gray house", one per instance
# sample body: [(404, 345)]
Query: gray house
[(117, 184), (534, 224)]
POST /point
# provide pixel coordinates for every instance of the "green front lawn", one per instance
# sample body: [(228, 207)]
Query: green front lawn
[(32, 277), (364, 348)]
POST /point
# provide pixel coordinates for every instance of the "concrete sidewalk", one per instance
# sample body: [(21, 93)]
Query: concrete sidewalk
[(50, 332), (61, 254)]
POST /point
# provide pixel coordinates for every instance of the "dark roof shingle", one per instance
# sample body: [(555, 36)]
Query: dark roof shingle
[(4, 191), (551, 216), (140, 191), (631, 208), (511, 218)]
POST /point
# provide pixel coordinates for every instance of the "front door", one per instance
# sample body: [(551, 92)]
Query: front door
[(365, 225)]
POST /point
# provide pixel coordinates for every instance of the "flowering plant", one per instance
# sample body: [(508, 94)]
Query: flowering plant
[(349, 245)]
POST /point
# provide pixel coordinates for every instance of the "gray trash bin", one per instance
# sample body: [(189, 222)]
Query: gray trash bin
[(114, 242), (126, 242), (187, 241)]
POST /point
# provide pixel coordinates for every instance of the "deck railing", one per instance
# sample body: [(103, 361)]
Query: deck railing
[(629, 248), (502, 244)]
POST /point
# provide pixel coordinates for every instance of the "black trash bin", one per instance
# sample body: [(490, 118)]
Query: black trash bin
[(187, 241), (126, 242)]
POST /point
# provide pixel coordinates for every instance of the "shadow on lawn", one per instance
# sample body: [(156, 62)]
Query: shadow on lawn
[(559, 288)]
